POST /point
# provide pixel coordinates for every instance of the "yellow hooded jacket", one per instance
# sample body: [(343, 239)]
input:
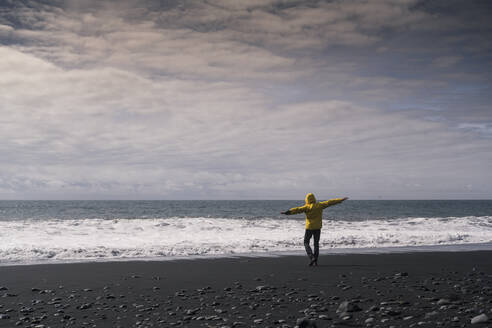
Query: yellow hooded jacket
[(314, 210)]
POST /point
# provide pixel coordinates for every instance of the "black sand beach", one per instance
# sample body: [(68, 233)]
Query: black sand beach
[(390, 290)]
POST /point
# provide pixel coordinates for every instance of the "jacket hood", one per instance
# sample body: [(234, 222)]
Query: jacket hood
[(310, 199)]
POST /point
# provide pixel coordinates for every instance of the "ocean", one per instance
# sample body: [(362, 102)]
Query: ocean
[(71, 231)]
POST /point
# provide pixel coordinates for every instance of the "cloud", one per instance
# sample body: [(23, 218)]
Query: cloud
[(175, 41), (446, 61), (298, 26), (108, 38), (237, 100), (484, 128), (5, 30), (109, 132)]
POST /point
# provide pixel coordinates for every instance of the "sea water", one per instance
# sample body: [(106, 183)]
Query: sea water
[(66, 231)]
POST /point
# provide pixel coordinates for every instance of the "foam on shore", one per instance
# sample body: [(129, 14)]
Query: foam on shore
[(34, 240)]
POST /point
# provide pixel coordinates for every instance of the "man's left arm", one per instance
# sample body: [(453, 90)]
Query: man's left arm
[(332, 202)]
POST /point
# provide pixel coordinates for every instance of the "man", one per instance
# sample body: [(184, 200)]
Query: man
[(314, 213)]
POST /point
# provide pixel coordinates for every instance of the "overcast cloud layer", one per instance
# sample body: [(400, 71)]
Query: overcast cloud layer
[(245, 99)]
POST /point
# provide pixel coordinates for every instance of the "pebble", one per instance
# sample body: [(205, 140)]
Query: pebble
[(430, 314), (85, 306), (258, 304), (443, 301), (306, 323), (479, 319), (347, 306)]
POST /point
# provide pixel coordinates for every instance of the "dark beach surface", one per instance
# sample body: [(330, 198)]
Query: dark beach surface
[(440, 289)]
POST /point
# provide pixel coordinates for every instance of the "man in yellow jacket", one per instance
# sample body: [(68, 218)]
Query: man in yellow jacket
[(314, 216)]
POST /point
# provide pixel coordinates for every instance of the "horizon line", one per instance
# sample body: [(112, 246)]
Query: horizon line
[(225, 199)]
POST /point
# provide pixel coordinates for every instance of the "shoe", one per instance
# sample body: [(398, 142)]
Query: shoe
[(313, 261)]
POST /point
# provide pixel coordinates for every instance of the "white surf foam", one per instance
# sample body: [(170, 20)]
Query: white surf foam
[(31, 241)]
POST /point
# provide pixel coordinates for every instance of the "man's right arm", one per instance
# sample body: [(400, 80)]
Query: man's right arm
[(295, 210)]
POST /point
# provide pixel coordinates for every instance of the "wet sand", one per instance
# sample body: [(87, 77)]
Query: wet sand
[(448, 289)]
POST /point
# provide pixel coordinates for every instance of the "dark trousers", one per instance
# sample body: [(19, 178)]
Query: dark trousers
[(307, 238)]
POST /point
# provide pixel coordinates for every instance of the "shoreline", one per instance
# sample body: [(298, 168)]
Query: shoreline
[(424, 289), (470, 247)]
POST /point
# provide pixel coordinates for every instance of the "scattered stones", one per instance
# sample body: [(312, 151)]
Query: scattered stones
[(263, 288), (389, 300), (391, 312)]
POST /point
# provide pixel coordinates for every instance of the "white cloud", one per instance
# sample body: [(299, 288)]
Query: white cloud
[(484, 128), (5, 30)]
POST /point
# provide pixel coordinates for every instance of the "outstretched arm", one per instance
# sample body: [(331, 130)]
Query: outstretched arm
[(295, 210), (332, 202)]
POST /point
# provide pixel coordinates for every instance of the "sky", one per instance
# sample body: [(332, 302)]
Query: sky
[(251, 99)]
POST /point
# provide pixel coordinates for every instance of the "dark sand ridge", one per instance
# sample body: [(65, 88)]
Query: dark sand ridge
[(445, 289)]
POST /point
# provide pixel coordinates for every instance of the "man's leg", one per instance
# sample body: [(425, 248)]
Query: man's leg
[(307, 238), (316, 235)]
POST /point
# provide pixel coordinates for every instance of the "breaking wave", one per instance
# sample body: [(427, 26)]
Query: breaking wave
[(56, 240)]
